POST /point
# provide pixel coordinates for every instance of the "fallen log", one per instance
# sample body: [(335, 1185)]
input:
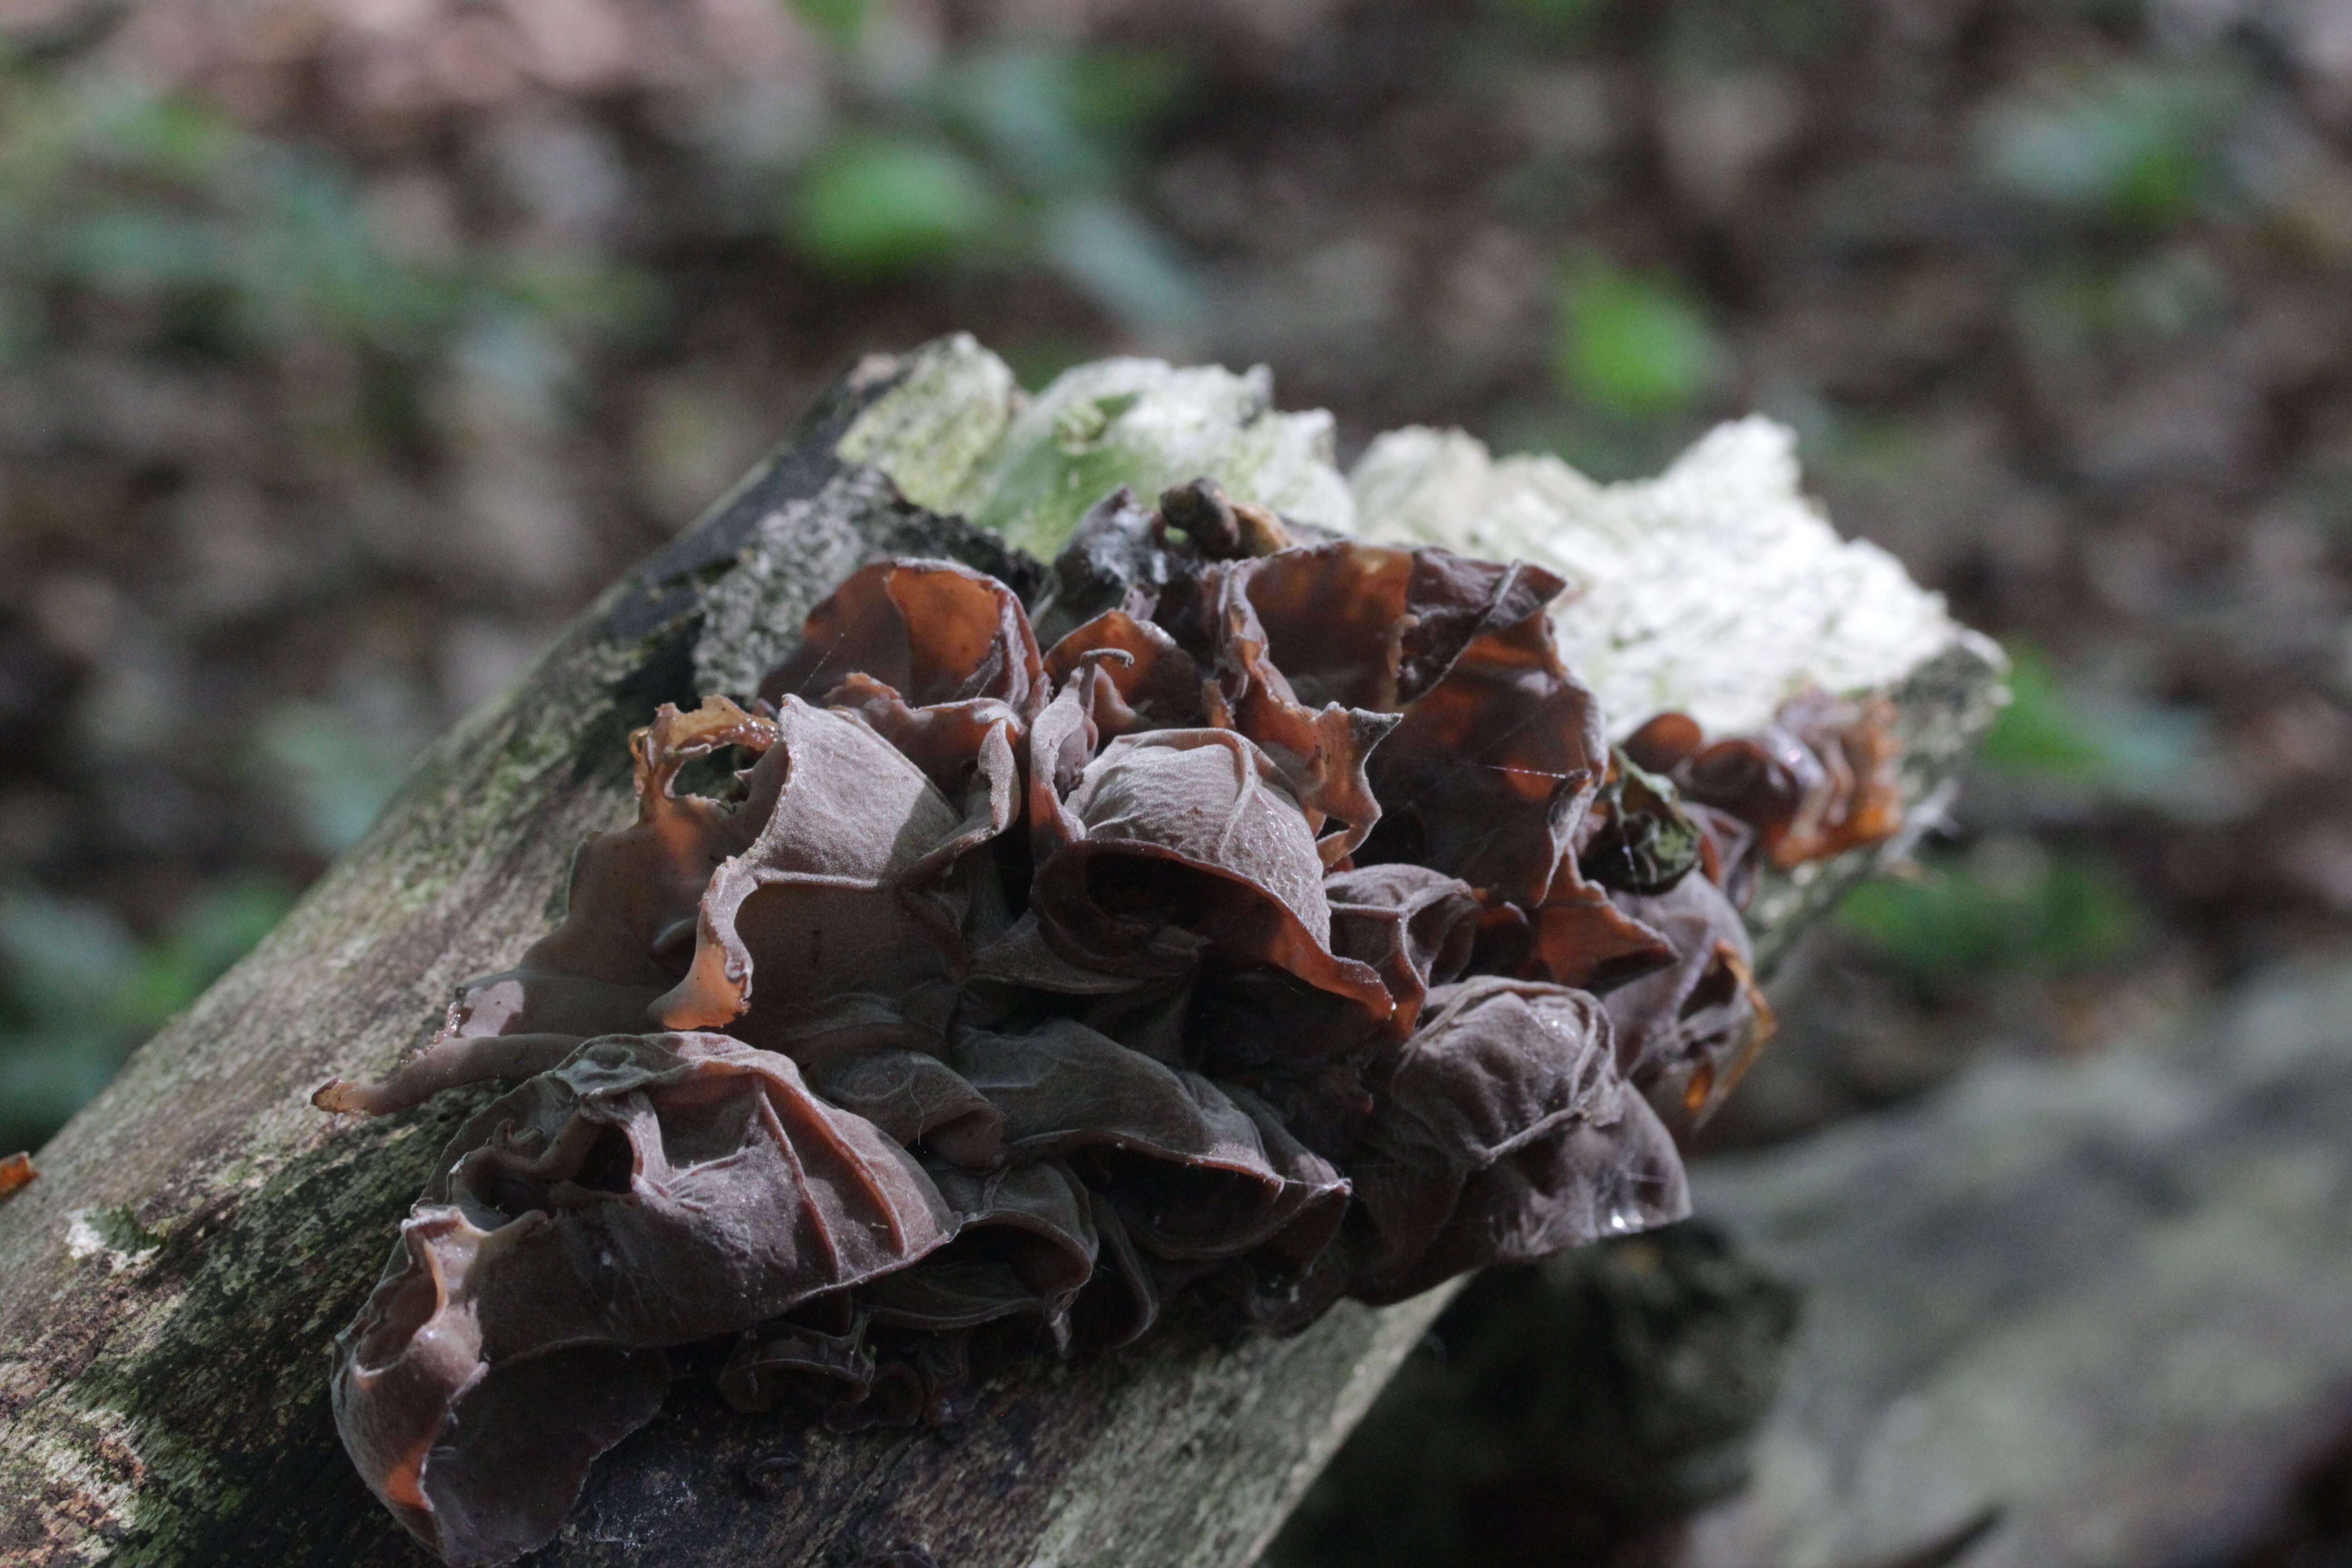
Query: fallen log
[(169, 1287), (2148, 1244)]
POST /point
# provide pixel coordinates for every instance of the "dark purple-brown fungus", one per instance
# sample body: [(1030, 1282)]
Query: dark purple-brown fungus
[(1287, 930)]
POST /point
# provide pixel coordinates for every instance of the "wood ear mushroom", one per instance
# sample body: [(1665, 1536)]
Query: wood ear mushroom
[(1286, 930)]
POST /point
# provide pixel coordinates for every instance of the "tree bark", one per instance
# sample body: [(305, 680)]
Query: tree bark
[(170, 1285)]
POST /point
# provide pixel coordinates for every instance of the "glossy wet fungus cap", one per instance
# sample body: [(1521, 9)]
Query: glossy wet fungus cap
[(1282, 927)]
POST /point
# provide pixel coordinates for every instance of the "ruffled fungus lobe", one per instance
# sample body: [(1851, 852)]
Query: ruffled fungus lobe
[(15, 1172), (1286, 930), (1821, 779), (651, 1191)]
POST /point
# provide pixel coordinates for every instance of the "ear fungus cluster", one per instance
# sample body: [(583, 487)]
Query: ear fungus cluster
[(1281, 928)]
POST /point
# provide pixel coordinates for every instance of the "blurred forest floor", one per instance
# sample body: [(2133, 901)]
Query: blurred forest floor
[(347, 346)]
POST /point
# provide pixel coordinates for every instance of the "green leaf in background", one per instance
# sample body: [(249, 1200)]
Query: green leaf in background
[(78, 992), (2040, 733), (583, 293), (1117, 93), (2111, 746), (171, 137), (1559, 21), (1019, 103), (2007, 906), (1738, 34), (307, 259), (1011, 154), (1062, 120), (842, 22), (1123, 262), (44, 1080), (1633, 345), (66, 963), (231, 244), (2135, 144), (338, 773), (872, 207), (219, 926)]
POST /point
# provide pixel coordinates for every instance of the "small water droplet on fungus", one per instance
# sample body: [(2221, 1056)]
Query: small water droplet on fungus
[(1283, 930)]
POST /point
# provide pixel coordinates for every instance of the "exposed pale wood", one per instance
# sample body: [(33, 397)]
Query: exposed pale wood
[(168, 1289)]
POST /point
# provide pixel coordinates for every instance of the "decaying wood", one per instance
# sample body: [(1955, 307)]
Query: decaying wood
[(169, 1287)]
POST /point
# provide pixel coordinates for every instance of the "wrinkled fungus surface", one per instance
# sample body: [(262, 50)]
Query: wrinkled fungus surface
[(1279, 927)]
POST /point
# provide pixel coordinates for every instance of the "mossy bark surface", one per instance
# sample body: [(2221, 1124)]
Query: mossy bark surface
[(170, 1287)]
